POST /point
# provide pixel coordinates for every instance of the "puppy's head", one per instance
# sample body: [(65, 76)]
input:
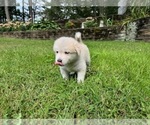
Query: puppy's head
[(66, 51)]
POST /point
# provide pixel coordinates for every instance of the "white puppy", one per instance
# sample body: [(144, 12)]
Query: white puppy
[(72, 55)]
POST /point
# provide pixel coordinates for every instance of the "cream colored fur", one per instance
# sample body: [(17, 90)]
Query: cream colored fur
[(72, 55)]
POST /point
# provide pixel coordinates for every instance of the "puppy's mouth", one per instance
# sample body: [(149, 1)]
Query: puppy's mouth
[(59, 63)]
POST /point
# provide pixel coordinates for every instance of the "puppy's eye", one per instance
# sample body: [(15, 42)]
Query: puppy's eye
[(56, 51), (67, 52)]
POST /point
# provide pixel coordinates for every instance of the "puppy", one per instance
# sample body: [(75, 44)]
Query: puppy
[(72, 56)]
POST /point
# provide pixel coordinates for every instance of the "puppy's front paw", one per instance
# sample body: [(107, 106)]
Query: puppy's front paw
[(65, 77), (64, 74), (81, 76)]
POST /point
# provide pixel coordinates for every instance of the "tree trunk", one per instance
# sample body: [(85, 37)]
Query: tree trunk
[(23, 13), (122, 6), (7, 11), (30, 10)]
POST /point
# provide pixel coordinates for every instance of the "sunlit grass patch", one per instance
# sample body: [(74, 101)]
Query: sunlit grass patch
[(116, 85)]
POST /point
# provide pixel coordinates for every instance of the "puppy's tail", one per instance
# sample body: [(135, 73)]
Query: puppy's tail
[(78, 37)]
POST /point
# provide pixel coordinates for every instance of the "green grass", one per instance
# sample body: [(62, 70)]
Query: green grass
[(117, 84)]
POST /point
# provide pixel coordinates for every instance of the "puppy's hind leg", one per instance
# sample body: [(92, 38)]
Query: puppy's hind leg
[(64, 74)]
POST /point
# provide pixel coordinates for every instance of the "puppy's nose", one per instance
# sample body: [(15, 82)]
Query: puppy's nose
[(59, 60)]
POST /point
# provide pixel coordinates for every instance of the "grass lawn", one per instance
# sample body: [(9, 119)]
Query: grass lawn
[(117, 84)]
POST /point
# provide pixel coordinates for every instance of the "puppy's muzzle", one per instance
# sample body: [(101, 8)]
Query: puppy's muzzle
[(59, 62)]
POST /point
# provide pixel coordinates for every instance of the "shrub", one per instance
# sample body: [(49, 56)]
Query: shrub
[(90, 24), (15, 26), (20, 26), (44, 25), (69, 24)]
